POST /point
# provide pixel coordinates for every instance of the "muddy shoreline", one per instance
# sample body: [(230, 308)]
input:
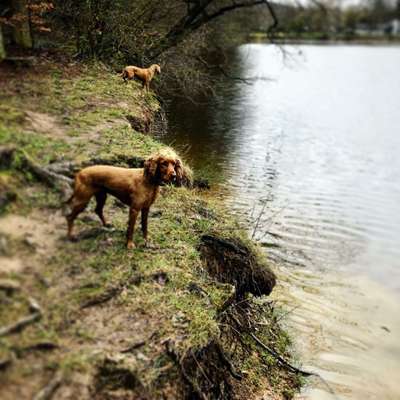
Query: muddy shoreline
[(178, 320)]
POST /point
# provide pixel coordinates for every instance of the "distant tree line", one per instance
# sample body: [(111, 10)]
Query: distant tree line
[(176, 33), (327, 17)]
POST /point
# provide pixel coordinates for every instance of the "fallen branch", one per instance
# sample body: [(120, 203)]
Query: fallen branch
[(107, 295), (52, 179), (115, 290), (23, 322), (39, 346), (48, 391), (45, 174), (139, 344), (134, 346), (93, 233), (19, 325)]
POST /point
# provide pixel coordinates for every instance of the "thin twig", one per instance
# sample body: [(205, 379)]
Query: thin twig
[(258, 220), (287, 313)]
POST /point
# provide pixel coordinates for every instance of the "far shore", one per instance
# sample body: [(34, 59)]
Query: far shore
[(318, 40)]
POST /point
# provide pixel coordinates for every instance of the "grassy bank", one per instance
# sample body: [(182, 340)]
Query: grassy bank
[(158, 322)]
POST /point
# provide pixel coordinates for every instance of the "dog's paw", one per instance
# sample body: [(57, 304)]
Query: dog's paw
[(130, 245)]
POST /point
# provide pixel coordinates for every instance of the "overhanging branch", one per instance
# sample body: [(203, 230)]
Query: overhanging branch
[(198, 16)]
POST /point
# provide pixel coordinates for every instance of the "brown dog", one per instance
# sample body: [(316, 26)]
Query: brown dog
[(135, 187), (145, 75)]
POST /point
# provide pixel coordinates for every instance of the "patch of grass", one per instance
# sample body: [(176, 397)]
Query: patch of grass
[(41, 147)]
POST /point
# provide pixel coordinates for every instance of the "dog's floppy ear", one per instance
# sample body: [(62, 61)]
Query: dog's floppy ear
[(179, 172), (150, 167)]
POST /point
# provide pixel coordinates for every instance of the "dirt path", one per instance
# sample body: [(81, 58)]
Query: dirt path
[(28, 240)]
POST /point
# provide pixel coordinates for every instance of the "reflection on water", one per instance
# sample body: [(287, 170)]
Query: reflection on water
[(347, 330), (314, 156)]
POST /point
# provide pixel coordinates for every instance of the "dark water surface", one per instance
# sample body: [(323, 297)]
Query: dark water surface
[(311, 160)]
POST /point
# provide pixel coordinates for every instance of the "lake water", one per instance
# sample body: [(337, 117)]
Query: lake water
[(308, 154)]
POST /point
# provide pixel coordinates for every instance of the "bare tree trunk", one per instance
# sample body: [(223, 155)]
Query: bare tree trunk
[(2, 48), (22, 31)]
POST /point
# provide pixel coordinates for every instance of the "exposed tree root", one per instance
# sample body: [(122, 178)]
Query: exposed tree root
[(280, 359), (49, 390), (244, 316), (23, 322), (228, 363), (206, 371)]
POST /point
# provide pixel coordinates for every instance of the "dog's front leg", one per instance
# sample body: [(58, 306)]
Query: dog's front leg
[(133, 213), (145, 215)]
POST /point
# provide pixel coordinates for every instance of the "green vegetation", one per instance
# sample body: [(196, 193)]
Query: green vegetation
[(148, 321)]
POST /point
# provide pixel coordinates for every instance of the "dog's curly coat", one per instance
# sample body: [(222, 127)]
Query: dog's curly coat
[(135, 187), (145, 75)]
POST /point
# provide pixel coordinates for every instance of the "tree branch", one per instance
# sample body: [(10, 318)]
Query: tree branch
[(231, 7), (197, 17), (275, 20)]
